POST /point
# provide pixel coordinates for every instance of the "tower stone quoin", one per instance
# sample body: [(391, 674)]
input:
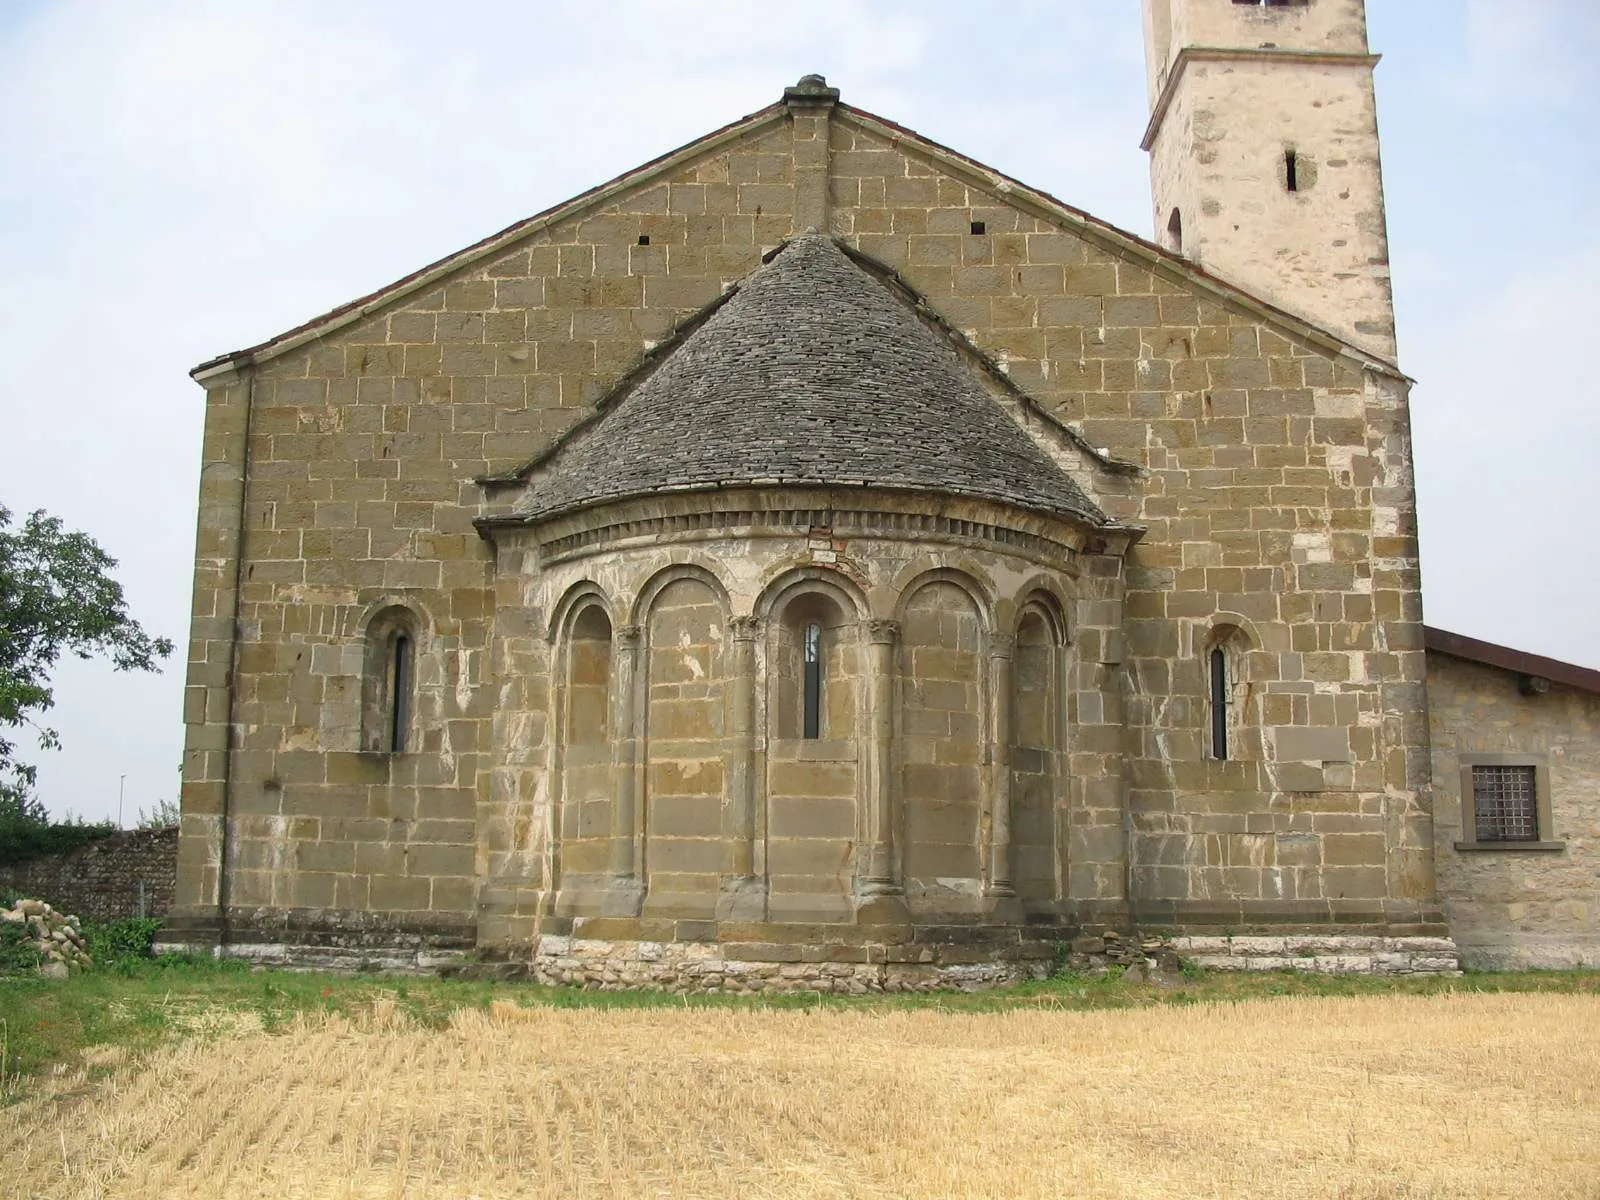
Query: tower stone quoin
[(1263, 141)]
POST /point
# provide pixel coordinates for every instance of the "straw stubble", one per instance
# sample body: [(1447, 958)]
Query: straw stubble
[(1401, 1096)]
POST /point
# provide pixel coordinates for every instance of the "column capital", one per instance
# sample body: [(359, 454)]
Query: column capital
[(1002, 645), (883, 633), (745, 629), (630, 636)]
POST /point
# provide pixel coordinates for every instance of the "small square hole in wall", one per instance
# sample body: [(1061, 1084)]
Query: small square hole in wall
[(977, 227), (644, 239)]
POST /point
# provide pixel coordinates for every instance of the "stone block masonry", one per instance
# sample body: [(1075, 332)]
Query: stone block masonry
[(704, 967), (128, 874), (426, 710), (1324, 955), (1518, 904), (688, 967)]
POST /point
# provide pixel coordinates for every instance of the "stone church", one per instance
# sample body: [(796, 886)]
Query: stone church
[(816, 559)]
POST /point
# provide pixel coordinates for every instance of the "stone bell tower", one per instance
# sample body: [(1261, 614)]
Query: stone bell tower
[(1263, 142)]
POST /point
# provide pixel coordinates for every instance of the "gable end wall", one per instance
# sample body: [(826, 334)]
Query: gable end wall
[(1276, 489)]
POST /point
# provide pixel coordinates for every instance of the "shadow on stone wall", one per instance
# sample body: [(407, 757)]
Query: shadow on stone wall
[(128, 874)]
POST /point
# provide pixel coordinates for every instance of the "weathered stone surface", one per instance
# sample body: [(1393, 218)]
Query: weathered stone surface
[(1248, 209), (1512, 906), (1347, 955), (603, 690), (127, 874), (742, 968), (54, 936)]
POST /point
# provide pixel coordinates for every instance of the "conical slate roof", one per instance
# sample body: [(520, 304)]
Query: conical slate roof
[(811, 373)]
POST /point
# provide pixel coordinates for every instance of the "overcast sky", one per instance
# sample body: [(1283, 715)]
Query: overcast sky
[(183, 179)]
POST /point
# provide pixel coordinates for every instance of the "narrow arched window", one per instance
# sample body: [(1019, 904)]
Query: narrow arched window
[(389, 683), (811, 720), (1175, 232), (399, 692), (811, 671), (1219, 703)]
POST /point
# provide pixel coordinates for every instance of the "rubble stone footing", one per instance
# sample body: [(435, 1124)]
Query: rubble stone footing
[(686, 967), (610, 964)]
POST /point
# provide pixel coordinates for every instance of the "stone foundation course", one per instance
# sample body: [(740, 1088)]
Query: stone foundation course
[(857, 968), (1326, 955), (689, 967), (686, 968)]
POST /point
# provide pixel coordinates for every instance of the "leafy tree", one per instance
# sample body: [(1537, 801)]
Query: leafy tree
[(26, 830), (56, 596)]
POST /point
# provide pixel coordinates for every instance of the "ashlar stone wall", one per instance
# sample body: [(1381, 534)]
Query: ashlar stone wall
[(916, 792), (1517, 906), (685, 758), (1277, 492), (337, 481), (1264, 160), (1272, 475), (943, 716)]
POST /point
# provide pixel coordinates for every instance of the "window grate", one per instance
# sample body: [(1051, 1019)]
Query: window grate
[(1505, 804)]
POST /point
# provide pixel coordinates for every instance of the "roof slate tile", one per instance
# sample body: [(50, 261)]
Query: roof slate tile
[(812, 373)]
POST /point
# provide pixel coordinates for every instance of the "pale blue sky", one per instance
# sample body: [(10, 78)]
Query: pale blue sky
[(182, 179)]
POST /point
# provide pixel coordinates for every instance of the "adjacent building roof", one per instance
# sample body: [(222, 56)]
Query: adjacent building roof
[(1530, 666), (811, 373)]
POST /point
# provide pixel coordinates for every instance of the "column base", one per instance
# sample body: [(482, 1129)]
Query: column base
[(623, 897), (1001, 907), (882, 908), (743, 898)]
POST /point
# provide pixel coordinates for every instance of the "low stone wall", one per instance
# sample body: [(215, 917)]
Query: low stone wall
[(1327, 955), (126, 874)]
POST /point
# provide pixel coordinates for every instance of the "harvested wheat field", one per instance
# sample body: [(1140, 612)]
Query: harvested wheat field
[(1483, 1095)]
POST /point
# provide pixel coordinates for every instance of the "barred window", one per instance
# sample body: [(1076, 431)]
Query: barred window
[(1505, 803)]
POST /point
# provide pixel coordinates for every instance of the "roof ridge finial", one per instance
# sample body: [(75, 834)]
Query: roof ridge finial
[(812, 89)]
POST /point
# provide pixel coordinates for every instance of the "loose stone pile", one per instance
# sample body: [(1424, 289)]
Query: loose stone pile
[(57, 937)]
